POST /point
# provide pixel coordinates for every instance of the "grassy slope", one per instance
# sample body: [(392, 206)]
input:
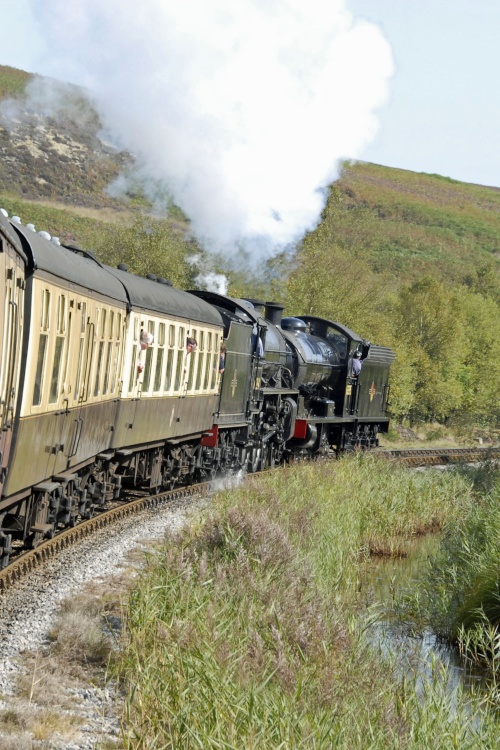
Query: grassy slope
[(412, 223), (12, 81)]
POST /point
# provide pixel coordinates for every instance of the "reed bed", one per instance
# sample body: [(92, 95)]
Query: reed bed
[(460, 592), (241, 632)]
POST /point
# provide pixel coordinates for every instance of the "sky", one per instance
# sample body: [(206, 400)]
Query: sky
[(250, 106), (443, 116)]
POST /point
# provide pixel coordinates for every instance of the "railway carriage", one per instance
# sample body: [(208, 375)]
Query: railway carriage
[(168, 396), (71, 348), (89, 405)]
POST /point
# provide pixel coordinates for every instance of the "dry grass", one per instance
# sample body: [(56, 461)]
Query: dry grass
[(47, 710), (79, 636), (109, 215)]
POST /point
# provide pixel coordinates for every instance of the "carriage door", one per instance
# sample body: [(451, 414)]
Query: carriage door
[(11, 331), (82, 381)]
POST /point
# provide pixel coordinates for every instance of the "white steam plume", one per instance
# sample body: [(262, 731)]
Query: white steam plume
[(242, 109)]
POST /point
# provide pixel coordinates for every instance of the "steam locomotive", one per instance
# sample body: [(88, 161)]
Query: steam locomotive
[(98, 389)]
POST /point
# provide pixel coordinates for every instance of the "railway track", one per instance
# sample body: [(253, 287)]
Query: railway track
[(28, 561), (441, 456)]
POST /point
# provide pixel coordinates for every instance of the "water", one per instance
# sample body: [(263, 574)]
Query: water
[(420, 657)]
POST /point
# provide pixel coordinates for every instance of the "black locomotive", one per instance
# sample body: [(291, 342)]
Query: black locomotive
[(100, 387)]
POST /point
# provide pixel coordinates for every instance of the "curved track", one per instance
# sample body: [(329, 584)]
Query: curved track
[(28, 561)]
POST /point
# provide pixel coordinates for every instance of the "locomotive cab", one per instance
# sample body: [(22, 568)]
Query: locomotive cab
[(360, 400)]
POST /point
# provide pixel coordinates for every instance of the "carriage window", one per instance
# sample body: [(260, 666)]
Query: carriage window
[(108, 384), (191, 366), (170, 358), (55, 380), (79, 368), (116, 359), (192, 361), (107, 368), (133, 371), (211, 363), (159, 357), (201, 360), (215, 368), (168, 371), (68, 347), (181, 347), (149, 358), (45, 310), (61, 314), (42, 348), (56, 370), (103, 322), (84, 317), (98, 370)]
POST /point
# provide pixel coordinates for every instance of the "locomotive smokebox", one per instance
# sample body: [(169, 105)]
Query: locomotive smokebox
[(274, 311)]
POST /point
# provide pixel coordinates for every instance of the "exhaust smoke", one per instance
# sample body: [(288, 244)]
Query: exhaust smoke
[(241, 112)]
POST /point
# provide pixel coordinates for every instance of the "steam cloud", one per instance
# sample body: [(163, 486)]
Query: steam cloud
[(241, 109)]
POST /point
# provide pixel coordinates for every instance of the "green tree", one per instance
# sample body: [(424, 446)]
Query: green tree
[(480, 374), (429, 321), (148, 246)]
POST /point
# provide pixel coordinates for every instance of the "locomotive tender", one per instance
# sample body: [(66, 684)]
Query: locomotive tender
[(98, 388)]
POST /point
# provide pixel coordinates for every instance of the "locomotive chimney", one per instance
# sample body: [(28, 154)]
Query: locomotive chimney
[(258, 306), (274, 311)]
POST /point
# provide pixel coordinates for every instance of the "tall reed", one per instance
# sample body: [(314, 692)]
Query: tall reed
[(460, 592)]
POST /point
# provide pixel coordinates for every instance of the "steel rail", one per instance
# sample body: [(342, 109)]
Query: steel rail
[(440, 456)]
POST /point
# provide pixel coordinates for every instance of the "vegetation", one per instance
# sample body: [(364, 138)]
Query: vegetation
[(242, 634), (12, 81), (459, 593)]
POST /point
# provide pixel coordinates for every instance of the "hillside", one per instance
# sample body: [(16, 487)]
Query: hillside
[(50, 143), (417, 222)]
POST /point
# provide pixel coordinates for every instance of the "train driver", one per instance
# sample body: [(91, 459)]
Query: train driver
[(356, 364)]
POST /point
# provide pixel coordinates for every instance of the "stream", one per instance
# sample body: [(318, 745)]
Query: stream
[(420, 657)]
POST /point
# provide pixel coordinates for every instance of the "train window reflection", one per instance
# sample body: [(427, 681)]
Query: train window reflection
[(42, 348), (56, 369), (45, 310), (107, 368)]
